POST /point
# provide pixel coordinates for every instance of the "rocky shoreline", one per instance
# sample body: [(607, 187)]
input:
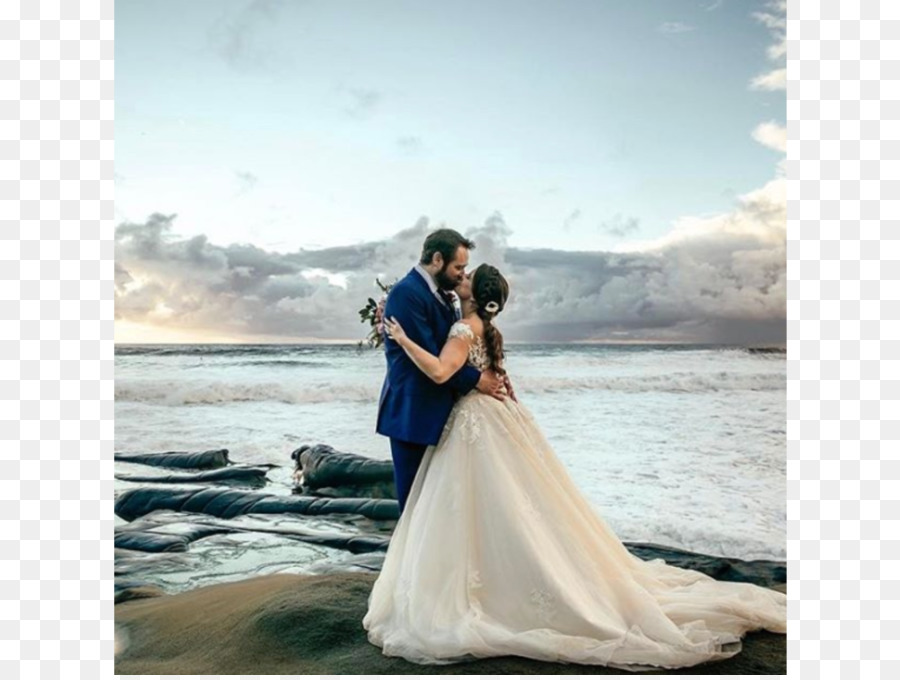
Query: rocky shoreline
[(343, 511)]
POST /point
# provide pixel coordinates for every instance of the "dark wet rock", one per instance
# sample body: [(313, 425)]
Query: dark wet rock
[(372, 513), (132, 589), (764, 573), (167, 531), (173, 531), (233, 474), (324, 471), (148, 540), (227, 503), (202, 460), (767, 350), (371, 491), (354, 544), (760, 572), (367, 562)]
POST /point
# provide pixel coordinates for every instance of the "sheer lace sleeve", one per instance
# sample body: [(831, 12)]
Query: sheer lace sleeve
[(461, 330), (477, 353)]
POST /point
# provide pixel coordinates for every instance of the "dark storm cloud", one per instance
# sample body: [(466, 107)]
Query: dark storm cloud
[(721, 282), (246, 290)]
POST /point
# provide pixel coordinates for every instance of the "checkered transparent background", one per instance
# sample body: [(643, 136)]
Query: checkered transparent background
[(56, 314)]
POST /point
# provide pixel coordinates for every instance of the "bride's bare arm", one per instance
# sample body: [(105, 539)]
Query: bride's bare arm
[(439, 369)]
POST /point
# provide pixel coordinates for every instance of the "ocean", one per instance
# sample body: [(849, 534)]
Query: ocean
[(678, 445)]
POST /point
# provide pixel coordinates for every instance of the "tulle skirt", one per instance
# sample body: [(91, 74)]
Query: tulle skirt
[(499, 553)]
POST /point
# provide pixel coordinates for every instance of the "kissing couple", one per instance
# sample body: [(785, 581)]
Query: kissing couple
[(497, 552)]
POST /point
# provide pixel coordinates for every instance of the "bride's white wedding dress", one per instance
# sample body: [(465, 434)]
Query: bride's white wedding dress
[(498, 553)]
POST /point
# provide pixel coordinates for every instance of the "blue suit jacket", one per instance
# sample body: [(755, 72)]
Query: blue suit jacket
[(412, 408)]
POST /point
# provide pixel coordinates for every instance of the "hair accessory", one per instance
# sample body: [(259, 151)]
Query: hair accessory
[(491, 307)]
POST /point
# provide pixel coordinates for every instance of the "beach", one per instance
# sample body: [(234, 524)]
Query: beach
[(225, 565), (304, 623)]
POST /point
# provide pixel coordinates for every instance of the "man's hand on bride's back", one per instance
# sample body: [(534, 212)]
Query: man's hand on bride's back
[(491, 385)]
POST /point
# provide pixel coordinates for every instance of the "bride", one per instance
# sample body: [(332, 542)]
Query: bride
[(498, 552)]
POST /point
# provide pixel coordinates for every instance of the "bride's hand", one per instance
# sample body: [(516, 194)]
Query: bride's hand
[(395, 330), (509, 388)]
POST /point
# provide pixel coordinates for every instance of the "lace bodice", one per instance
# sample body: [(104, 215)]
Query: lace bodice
[(478, 356)]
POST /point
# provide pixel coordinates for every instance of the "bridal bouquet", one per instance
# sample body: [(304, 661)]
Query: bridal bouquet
[(373, 312)]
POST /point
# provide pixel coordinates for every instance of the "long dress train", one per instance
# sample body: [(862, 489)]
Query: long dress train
[(499, 553)]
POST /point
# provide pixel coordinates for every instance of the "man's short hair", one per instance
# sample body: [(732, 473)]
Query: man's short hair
[(446, 242)]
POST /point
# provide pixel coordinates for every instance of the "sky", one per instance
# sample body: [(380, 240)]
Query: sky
[(621, 162)]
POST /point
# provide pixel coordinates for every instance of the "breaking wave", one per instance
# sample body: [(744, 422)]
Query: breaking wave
[(176, 393)]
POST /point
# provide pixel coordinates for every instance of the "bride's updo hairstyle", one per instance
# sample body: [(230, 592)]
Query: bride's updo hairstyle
[(490, 292)]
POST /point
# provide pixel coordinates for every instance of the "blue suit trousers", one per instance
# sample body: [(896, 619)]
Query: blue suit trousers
[(407, 458)]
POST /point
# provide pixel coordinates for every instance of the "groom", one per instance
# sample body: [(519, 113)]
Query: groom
[(413, 410)]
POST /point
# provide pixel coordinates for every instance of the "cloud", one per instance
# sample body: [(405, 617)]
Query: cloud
[(491, 241), (773, 80), (363, 102), (778, 50), (573, 217), (719, 280), (409, 144), (246, 291), (759, 218), (122, 277), (674, 27), (775, 19), (246, 182), (619, 225), (715, 5), (772, 135), (233, 289), (236, 38)]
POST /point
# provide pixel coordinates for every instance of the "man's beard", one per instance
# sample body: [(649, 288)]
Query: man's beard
[(444, 281)]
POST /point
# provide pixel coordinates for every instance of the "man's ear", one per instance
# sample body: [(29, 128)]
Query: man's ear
[(437, 260)]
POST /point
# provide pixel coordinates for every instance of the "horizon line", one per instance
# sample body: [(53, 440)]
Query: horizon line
[(505, 342)]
